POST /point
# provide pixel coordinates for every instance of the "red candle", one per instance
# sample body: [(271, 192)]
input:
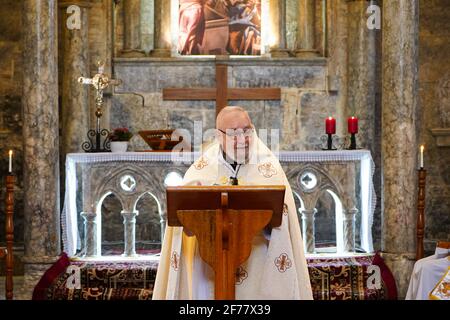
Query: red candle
[(352, 125), (330, 125)]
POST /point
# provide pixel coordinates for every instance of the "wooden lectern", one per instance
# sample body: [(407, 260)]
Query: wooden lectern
[(225, 220)]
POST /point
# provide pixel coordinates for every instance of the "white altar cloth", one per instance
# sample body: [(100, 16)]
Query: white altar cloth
[(69, 216)]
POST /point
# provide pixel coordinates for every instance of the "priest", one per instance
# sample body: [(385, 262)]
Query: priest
[(276, 268)]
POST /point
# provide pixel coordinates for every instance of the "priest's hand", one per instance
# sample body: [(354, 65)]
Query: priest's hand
[(188, 232), (267, 232)]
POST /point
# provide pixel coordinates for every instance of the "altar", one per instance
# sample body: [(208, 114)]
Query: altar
[(333, 190), (335, 201)]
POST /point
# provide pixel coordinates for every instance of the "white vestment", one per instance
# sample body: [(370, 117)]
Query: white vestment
[(276, 268), (426, 274)]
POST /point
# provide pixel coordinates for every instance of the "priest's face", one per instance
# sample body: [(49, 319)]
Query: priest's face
[(235, 135)]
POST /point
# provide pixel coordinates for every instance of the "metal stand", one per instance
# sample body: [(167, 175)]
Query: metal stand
[(329, 138), (89, 146), (352, 142), (100, 82)]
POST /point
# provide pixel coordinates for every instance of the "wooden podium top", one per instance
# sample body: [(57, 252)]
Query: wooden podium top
[(239, 198)]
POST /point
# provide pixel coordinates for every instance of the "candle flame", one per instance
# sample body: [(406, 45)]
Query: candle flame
[(329, 118), (10, 152), (422, 147)]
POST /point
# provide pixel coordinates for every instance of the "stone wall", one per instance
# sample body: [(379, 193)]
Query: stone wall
[(11, 114), (434, 82), (299, 116), (147, 21)]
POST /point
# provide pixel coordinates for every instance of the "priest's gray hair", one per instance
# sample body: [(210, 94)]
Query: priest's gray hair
[(230, 109)]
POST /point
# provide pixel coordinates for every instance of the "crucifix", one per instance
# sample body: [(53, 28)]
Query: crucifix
[(221, 93), (100, 82)]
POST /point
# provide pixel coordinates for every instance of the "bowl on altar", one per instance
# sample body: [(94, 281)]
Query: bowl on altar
[(160, 140)]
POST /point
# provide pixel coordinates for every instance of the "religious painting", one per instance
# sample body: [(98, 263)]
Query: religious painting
[(219, 27)]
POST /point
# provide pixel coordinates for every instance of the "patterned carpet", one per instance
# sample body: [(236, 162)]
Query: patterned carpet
[(356, 278), (97, 280), (352, 278)]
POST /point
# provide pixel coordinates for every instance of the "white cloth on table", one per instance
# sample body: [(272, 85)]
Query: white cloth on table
[(70, 214), (426, 274)]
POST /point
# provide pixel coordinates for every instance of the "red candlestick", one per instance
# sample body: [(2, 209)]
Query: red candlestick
[(330, 125), (352, 125)]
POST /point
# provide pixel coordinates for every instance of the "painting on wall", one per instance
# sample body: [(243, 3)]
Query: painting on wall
[(219, 27)]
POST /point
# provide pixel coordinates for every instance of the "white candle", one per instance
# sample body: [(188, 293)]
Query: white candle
[(10, 161), (421, 155)]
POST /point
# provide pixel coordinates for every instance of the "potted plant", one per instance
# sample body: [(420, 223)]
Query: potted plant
[(119, 138)]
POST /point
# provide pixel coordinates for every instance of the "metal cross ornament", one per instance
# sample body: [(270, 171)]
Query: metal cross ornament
[(100, 82)]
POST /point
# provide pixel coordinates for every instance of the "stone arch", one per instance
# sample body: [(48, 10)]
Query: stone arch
[(111, 183), (298, 199), (106, 180), (338, 217), (147, 225), (101, 217), (326, 184)]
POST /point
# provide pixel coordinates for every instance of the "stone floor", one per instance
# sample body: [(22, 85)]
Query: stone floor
[(17, 286)]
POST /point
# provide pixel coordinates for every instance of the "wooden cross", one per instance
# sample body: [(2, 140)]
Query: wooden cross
[(221, 93)]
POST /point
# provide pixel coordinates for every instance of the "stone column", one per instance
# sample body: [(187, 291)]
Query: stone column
[(349, 229), (399, 137), (306, 30), (75, 63), (40, 140), (129, 223), (162, 29), (91, 245), (163, 220), (132, 29), (361, 69), (278, 29), (308, 229)]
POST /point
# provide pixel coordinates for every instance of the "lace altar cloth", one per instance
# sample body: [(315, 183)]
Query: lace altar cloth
[(69, 215)]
